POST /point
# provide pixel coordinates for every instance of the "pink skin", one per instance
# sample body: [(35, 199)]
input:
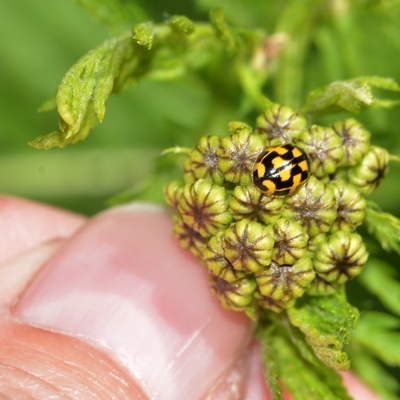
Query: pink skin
[(114, 308)]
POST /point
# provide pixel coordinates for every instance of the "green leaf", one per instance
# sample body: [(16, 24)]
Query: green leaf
[(84, 90), (369, 370), (62, 138), (48, 105), (351, 95), (383, 226), (182, 24), (382, 280), (270, 367), (327, 323), (378, 332), (297, 338), (222, 30), (143, 35), (302, 379)]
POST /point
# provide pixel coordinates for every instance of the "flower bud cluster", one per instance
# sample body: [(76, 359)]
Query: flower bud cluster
[(265, 250)]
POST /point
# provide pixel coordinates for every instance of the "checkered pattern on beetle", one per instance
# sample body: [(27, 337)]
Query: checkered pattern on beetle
[(280, 170)]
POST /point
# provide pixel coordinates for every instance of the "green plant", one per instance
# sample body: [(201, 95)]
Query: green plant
[(234, 68)]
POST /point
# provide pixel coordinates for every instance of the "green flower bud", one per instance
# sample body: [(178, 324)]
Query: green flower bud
[(239, 127), (341, 257), (188, 238), (237, 155), (248, 245), (204, 161), (368, 175), (214, 256), (269, 303), (280, 122), (188, 174), (351, 207), (237, 296), (313, 206), (324, 149), (248, 202), (320, 287), (172, 192), (204, 207), (285, 282), (355, 140), (313, 244), (290, 242)]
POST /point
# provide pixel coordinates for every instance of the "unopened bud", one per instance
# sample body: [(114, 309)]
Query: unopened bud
[(237, 155), (324, 149), (351, 207), (355, 140), (341, 257), (204, 207), (285, 282), (313, 206), (280, 122), (218, 264), (238, 295), (248, 202), (368, 174), (248, 245), (290, 242), (204, 161)]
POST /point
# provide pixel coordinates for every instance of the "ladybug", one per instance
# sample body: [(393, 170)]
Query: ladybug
[(280, 170)]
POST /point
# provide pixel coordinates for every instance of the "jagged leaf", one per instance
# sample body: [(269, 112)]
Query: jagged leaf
[(373, 373), (383, 226), (49, 104), (381, 279), (302, 379), (143, 35), (84, 90), (183, 24), (327, 323), (109, 67), (61, 139), (222, 30), (270, 367), (351, 95), (379, 333)]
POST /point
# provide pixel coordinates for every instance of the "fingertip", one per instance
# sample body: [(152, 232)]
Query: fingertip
[(357, 389), (124, 281), (25, 224)]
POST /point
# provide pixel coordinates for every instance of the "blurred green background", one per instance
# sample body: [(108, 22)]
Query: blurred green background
[(42, 39)]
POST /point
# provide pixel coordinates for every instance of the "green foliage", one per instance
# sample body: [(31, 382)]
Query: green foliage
[(352, 95), (304, 380), (222, 30), (382, 280), (84, 90), (143, 35), (377, 332), (157, 52), (383, 226), (327, 323)]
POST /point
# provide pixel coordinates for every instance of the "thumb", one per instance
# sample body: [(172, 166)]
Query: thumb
[(122, 284)]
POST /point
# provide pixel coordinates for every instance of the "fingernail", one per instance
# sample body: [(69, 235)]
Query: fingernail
[(124, 283)]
